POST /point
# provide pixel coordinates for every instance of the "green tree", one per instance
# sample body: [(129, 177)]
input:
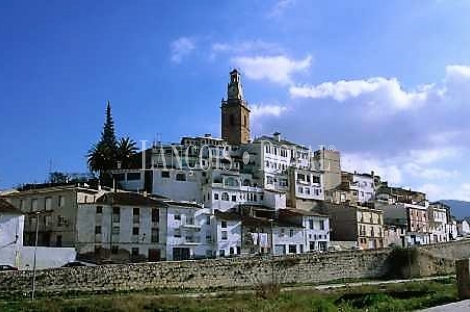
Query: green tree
[(105, 155), (126, 149), (108, 136), (58, 177)]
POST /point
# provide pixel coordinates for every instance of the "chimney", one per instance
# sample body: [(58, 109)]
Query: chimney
[(277, 136), (372, 173)]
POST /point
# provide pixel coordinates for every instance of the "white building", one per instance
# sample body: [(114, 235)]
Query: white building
[(316, 227), (11, 233), (228, 233), (124, 226), (363, 184), (438, 223), (463, 228)]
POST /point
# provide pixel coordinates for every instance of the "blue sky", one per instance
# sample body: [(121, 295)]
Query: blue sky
[(385, 82)]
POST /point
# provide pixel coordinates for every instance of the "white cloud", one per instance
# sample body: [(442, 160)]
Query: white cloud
[(414, 136), (278, 9), (181, 48), (278, 69), (433, 155), (363, 163), (267, 110), (436, 191), (373, 91)]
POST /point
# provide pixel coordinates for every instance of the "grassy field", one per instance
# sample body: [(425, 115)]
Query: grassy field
[(396, 297)]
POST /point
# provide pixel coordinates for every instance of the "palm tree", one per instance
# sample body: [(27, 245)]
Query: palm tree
[(100, 159), (126, 149)]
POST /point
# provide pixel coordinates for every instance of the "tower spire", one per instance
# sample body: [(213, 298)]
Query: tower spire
[(235, 113)]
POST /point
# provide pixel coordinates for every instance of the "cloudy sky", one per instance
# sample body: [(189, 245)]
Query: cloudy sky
[(386, 82)]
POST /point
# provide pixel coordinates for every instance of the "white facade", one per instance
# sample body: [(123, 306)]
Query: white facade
[(120, 231), (315, 228), (227, 237), (307, 185), (288, 240), (363, 184), (438, 224), (189, 232), (11, 235), (179, 185), (463, 228)]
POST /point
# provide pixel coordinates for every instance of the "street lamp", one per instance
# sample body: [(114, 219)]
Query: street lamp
[(36, 213)]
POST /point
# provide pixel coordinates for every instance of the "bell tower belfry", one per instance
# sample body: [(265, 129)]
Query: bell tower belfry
[(235, 113)]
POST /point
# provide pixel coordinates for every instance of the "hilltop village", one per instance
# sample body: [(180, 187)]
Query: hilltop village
[(209, 197)]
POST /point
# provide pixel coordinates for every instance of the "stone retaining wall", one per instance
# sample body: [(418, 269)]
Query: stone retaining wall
[(223, 273)]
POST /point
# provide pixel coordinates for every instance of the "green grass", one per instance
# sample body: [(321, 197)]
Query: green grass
[(394, 297)]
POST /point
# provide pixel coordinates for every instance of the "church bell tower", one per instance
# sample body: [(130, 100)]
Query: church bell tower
[(235, 113)]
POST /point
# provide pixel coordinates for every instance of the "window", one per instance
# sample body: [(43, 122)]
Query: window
[(310, 224), (208, 253), (180, 177), (34, 204), (224, 235), (114, 250), (208, 238), (135, 231), (97, 229), (234, 198), (292, 249), (155, 235), (61, 201), (216, 196), (99, 209), (225, 196), (133, 176), (48, 203), (208, 220), (177, 233), (222, 253), (116, 214), (177, 217), (301, 189), (119, 176), (165, 174), (232, 251), (116, 230), (283, 232), (155, 215), (224, 224), (307, 190), (135, 251), (136, 211), (291, 233), (322, 225)]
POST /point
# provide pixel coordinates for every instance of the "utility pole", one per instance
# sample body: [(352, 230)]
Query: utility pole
[(35, 255), (36, 213)]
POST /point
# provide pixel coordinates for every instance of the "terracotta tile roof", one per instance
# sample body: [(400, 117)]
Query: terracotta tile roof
[(128, 199), (6, 207), (301, 212)]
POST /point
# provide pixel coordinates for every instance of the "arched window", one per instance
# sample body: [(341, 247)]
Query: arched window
[(225, 196), (246, 182)]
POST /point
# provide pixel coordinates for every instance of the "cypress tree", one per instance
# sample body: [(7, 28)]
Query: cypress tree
[(108, 136)]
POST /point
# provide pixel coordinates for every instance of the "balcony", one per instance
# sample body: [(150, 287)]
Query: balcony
[(190, 225), (190, 241)]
